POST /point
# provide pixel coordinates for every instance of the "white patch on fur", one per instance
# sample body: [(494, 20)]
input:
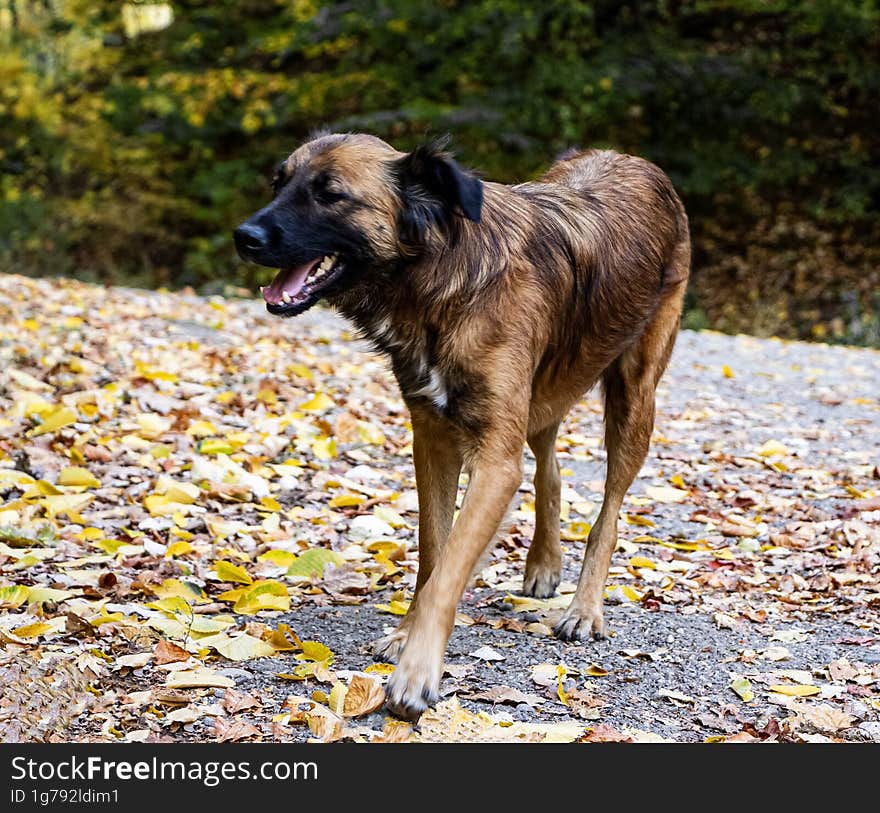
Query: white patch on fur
[(435, 390)]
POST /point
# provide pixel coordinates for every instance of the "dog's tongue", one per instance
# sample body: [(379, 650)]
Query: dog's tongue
[(288, 281)]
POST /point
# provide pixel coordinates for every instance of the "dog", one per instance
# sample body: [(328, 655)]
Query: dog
[(498, 307)]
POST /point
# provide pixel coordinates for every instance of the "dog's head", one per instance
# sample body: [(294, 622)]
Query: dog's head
[(348, 206)]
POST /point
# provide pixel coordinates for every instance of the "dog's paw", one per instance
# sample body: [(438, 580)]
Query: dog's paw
[(540, 581), (390, 648), (413, 687), (577, 624)]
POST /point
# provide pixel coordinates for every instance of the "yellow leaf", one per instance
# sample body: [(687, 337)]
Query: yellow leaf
[(201, 429), (265, 595), (743, 688), (240, 648), (32, 630), (380, 668), (205, 625), (637, 519), (232, 595), (324, 448), (622, 592), (177, 588), (78, 476), (280, 558), (215, 446), (561, 672), (320, 403), (278, 639), (315, 651), (347, 501), (152, 426), (13, 595), (154, 374), (370, 434), (105, 618), (53, 421), (69, 504), (40, 595), (394, 607), (180, 548), (666, 494), (267, 396), (641, 561), (159, 505), (728, 373), (270, 504), (40, 488), (228, 572), (770, 448), (336, 700), (15, 478), (300, 370), (594, 671), (172, 605), (183, 493), (390, 516), (313, 561), (576, 531), (677, 481), (796, 691)]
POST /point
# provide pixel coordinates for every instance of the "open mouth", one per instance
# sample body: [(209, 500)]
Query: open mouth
[(297, 288)]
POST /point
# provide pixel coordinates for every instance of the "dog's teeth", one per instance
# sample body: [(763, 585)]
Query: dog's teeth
[(285, 296)]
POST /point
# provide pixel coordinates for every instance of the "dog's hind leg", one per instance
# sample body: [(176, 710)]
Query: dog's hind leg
[(630, 383), (437, 461), (544, 561)]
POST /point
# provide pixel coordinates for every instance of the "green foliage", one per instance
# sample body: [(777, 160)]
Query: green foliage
[(130, 156)]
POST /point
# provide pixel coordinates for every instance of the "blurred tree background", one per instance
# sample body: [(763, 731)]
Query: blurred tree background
[(135, 136)]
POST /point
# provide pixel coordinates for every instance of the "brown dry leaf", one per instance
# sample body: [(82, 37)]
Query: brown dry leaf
[(823, 717), (235, 731), (169, 652), (395, 731), (235, 701), (507, 694), (324, 724), (364, 696), (604, 733)]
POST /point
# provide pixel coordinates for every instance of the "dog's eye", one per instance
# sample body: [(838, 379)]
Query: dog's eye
[(330, 196), (324, 193)]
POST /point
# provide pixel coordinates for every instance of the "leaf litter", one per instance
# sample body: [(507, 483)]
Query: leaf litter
[(200, 530)]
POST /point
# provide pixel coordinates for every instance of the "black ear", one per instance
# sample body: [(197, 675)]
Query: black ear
[(430, 170)]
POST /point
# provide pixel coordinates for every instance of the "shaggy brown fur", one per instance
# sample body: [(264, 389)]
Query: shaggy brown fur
[(499, 307)]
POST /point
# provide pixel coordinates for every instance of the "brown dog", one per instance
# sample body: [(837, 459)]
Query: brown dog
[(499, 307)]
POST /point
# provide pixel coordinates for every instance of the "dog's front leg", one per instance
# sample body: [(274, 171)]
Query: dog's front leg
[(437, 460), (496, 474)]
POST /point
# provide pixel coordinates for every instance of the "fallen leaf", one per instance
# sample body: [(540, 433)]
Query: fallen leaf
[(195, 678), (169, 652), (364, 696), (743, 688), (795, 691), (235, 731), (486, 653)]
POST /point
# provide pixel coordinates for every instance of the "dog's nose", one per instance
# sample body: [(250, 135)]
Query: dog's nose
[(250, 239)]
